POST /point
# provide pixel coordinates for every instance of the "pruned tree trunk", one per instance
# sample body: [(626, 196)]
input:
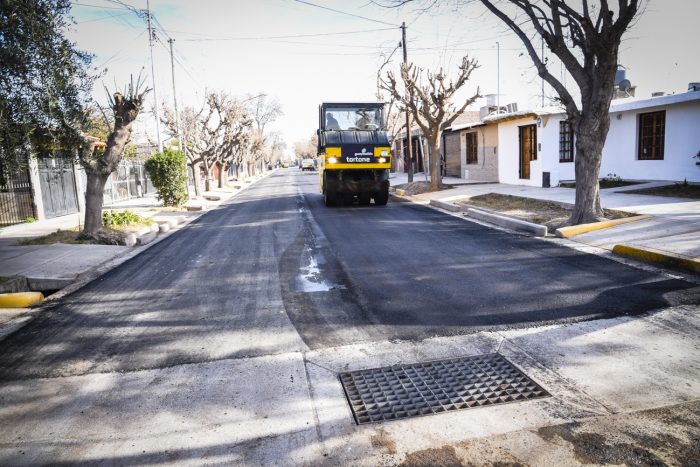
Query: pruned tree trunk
[(207, 173), (223, 178), (435, 176), (197, 178), (94, 200), (98, 167)]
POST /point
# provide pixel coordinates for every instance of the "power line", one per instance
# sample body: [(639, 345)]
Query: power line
[(346, 13), (223, 38), (102, 18), (96, 6), (121, 50), (177, 60), (374, 47)]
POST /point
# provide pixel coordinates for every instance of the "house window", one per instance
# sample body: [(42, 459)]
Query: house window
[(652, 131), (472, 146), (566, 141)]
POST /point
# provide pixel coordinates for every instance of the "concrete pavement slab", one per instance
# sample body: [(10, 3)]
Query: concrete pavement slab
[(57, 261), (246, 411), (671, 235), (612, 360)]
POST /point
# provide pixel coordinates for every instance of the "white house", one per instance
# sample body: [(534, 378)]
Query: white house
[(649, 139)]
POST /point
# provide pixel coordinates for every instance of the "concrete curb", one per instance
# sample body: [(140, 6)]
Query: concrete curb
[(446, 206), (16, 284), (142, 236), (664, 258), (566, 232), (508, 222), (90, 275)]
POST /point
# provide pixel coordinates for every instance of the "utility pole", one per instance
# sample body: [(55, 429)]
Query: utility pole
[(408, 115), (153, 76), (177, 114)]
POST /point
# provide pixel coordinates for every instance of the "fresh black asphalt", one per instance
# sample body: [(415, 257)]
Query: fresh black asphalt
[(228, 285)]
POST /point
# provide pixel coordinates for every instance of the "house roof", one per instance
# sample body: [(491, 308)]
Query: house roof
[(622, 105), (503, 117), (465, 126)]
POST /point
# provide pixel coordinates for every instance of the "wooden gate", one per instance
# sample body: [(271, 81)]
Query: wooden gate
[(58, 190)]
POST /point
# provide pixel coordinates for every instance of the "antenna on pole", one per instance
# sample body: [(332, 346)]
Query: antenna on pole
[(153, 76)]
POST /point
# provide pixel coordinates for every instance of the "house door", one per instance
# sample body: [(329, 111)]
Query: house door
[(528, 140), (58, 189)]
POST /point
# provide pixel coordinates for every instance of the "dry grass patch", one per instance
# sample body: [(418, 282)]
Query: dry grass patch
[(107, 237), (549, 213)]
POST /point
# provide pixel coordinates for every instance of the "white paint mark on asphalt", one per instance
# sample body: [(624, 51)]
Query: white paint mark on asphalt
[(310, 279)]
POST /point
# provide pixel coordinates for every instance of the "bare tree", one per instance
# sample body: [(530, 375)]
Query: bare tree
[(236, 126), (596, 34), (276, 147), (213, 136), (189, 117), (306, 149), (264, 111), (432, 106), (586, 38), (99, 163)]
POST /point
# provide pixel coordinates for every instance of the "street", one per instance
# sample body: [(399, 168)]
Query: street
[(275, 274)]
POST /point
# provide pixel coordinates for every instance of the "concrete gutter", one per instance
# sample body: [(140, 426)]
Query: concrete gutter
[(663, 258), (508, 222), (566, 232)]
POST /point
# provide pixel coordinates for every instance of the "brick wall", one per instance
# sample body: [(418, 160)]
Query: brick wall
[(453, 153), (486, 168)]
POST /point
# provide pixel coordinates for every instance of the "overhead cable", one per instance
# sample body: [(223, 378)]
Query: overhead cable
[(224, 38), (346, 13)]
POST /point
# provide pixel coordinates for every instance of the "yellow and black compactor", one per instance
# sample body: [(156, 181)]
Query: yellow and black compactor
[(354, 153)]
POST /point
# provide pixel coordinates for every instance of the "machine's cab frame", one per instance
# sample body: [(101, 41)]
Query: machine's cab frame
[(354, 152)]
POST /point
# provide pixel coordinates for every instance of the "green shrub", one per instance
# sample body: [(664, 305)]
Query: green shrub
[(168, 173), (29, 219), (117, 218)]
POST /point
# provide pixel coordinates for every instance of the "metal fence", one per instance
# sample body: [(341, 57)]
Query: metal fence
[(16, 203), (129, 181)]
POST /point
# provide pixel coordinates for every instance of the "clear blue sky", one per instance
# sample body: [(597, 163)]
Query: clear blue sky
[(235, 46)]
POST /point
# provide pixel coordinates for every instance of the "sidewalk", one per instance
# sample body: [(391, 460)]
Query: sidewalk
[(673, 228)]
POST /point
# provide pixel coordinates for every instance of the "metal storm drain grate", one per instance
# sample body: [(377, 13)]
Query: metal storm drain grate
[(403, 391)]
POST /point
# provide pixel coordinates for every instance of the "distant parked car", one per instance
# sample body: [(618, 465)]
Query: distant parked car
[(308, 164)]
